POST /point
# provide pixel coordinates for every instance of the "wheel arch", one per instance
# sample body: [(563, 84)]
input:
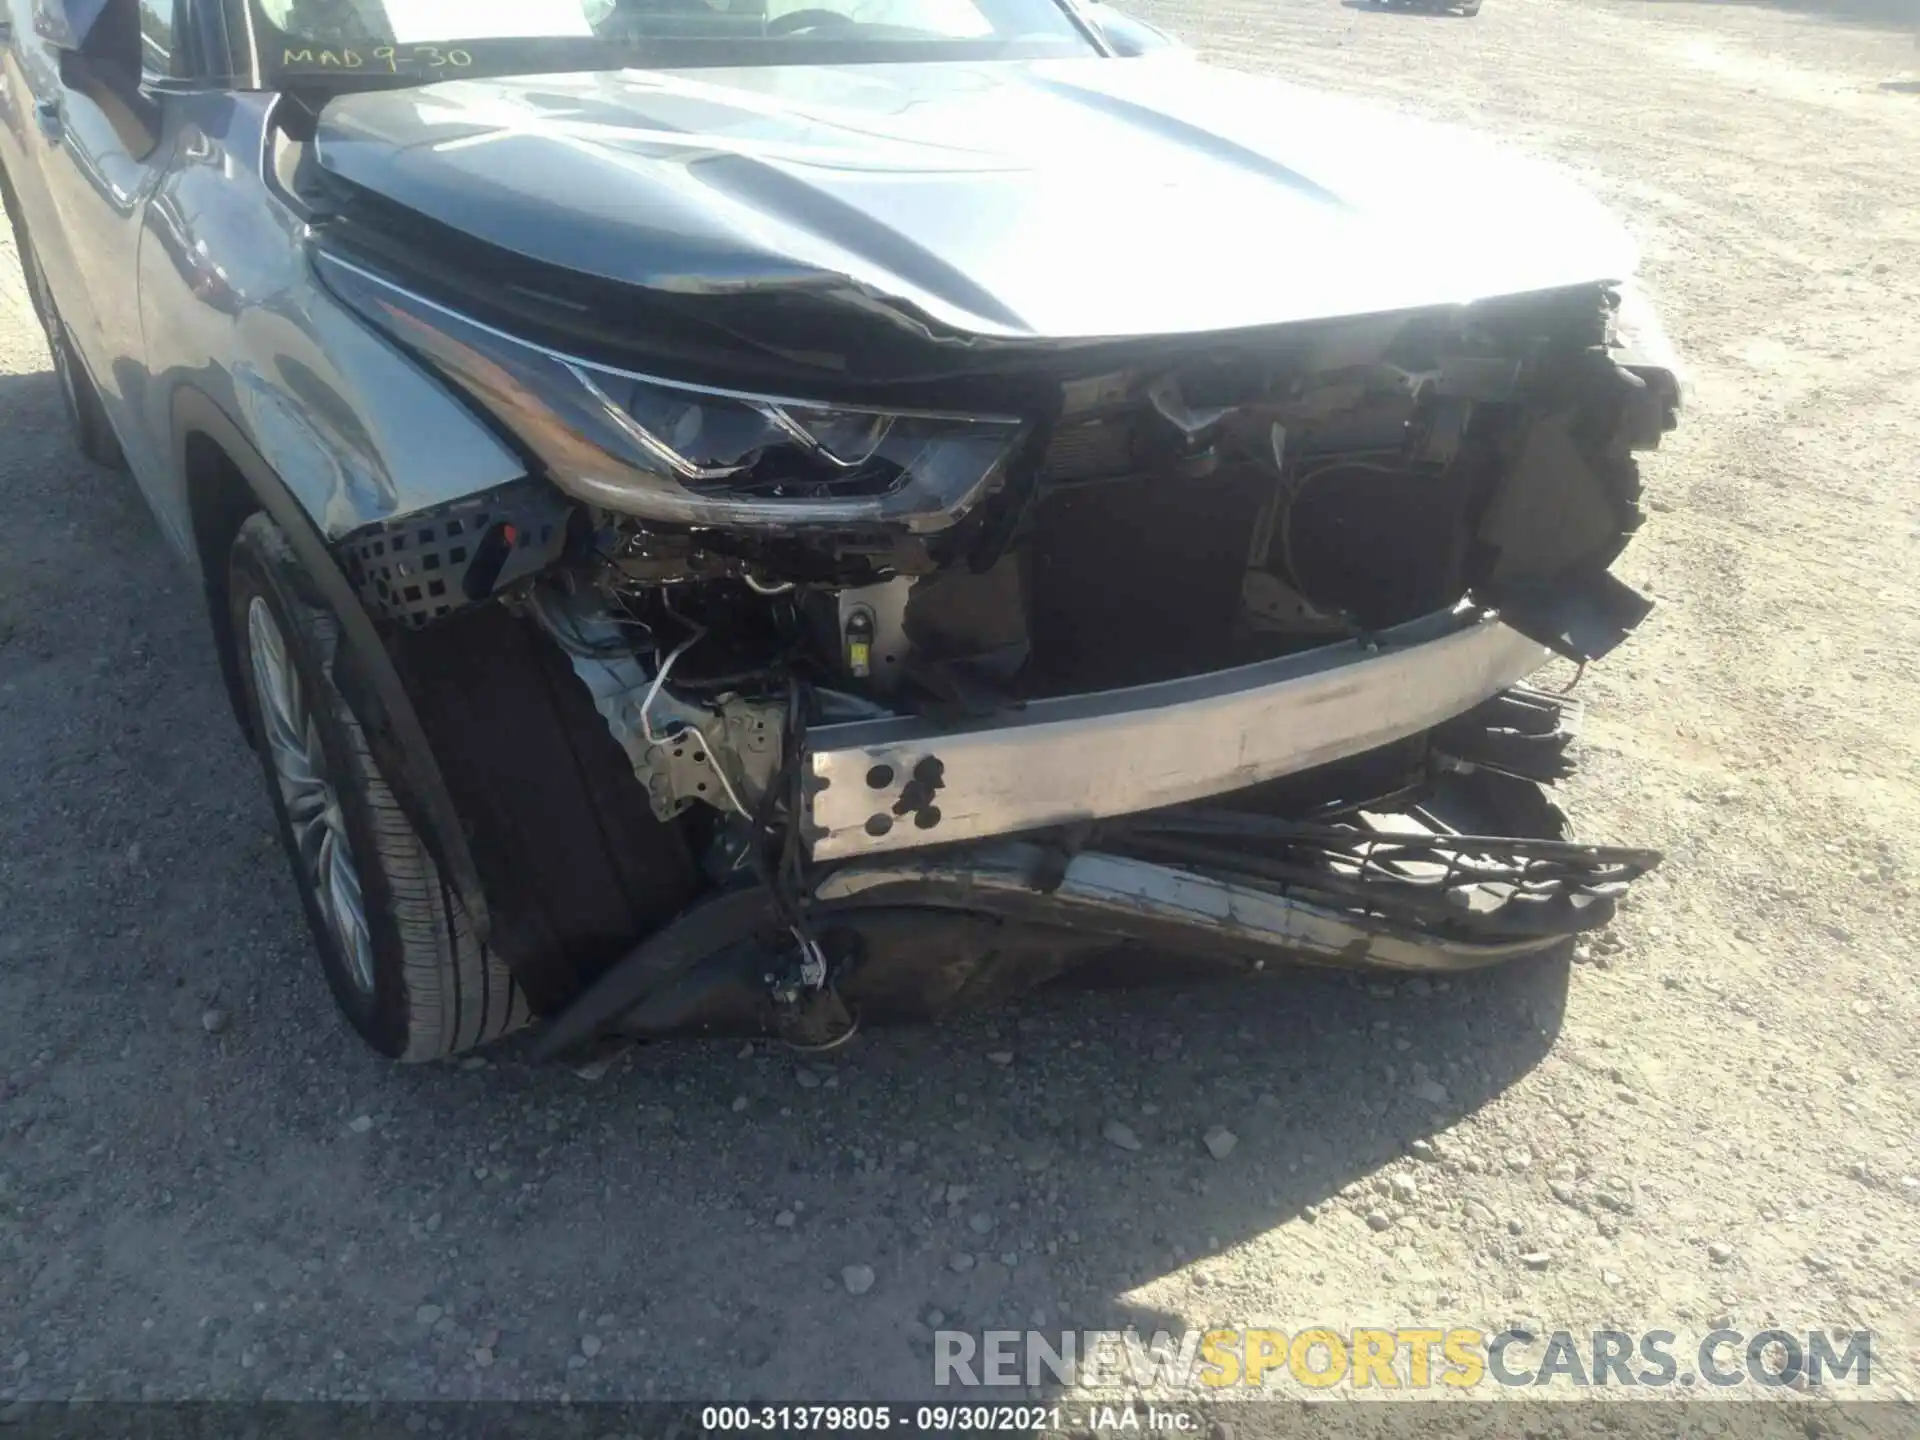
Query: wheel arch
[(226, 479), (8, 205)]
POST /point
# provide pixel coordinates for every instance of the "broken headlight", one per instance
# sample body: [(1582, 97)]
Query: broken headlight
[(695, 456), (1639, 339)]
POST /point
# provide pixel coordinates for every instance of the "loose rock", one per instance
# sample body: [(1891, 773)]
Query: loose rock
[(857, 1278), (1121, 1135), (1220, 1142)]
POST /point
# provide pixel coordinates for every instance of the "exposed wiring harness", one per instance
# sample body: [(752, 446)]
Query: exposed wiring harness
[(696, 633), (566, 631)]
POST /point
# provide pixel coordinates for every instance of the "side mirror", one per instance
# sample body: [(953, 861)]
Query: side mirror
[(1129, 37)]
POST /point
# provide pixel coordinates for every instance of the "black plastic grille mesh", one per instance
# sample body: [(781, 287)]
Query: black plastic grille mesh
[(424, 566)]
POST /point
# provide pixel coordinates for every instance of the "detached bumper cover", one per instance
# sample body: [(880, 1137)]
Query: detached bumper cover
[(889, 785), (682, 976), (1134, 899)]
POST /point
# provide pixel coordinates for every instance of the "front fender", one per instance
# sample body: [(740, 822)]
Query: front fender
[(365, 674), (354, 430)]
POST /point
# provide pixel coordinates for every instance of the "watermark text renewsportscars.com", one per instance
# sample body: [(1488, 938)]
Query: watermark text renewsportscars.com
[(1407, 1359)]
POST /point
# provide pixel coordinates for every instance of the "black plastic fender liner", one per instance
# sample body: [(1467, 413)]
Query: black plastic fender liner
[(366, 673), (712, 925), (575, 864)]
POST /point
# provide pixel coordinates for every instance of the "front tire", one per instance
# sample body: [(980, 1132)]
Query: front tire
[(395, 943)]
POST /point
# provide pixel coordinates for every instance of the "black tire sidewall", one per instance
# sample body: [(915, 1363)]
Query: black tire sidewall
[(86, 413), (382, 1017), (53, 328)]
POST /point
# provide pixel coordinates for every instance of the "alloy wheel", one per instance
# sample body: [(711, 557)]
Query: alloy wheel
[(308, 793)]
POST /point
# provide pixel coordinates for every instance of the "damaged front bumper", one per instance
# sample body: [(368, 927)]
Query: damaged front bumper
[(898, 784), (1130, 899), (1396, 890)]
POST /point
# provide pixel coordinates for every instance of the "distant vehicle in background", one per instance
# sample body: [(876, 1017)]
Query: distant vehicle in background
[(1465, 7)]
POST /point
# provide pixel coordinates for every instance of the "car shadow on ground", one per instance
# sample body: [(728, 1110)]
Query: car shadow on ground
[(977, 1167), (1047, 1164), (1427, 9), (1322, 1079)]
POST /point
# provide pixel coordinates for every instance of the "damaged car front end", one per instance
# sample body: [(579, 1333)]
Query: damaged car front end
[(1215, 644), (743, 519)]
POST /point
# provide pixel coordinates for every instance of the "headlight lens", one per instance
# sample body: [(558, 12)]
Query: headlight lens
[(1639, 335), (691, 456)]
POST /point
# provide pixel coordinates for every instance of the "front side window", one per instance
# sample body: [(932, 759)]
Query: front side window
[(158, 50)]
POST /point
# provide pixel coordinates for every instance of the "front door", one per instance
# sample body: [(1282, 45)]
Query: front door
[(103, 158)]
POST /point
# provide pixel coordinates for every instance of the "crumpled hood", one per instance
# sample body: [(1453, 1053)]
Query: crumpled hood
[(1060, 199)]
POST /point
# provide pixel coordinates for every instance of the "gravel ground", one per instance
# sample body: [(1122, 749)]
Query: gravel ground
[(207, 1188)]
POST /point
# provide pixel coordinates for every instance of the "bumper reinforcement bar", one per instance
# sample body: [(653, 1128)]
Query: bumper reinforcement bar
[(898, 784)]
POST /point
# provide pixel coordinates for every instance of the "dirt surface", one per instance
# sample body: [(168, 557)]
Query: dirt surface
[(208, 1188)]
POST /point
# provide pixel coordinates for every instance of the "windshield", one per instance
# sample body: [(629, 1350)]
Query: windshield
[(368, 41)]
